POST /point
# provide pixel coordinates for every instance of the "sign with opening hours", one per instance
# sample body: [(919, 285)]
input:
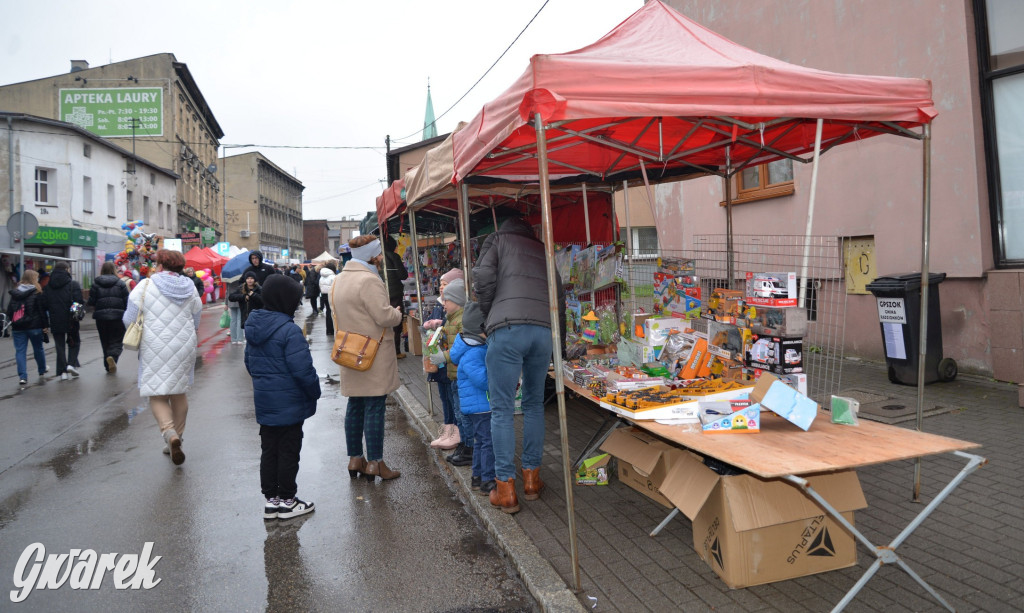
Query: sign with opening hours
[(115, 112)]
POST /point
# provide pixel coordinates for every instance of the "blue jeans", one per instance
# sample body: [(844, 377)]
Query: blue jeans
[(236, 324), (444, 390), (460, 420), (21, 339), (479, 425), (512, 350)]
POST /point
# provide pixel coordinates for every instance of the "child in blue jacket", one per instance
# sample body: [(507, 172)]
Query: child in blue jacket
[(285, 390), (468, 352)]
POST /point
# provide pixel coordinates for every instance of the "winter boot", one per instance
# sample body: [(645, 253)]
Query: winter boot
[(532, 485), (378, 468), (504, 496)]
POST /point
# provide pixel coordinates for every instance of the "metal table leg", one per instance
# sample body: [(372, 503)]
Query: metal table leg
[(665, 521), (599, 438), (887, 554)]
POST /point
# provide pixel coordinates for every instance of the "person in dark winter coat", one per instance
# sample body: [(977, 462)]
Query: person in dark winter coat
[(191, 274), (469, 353), (59, 294), (285, 390), (312, 286), (29, 322), (109, 300), (396, 274), (511, 282), (261, 269), (248, 299)]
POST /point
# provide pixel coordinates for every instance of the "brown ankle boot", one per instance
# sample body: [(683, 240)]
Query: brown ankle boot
[(356, 466), (532, 485), (378, 468), (504, 496)]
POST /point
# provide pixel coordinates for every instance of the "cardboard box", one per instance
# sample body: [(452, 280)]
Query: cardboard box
[(773, 321), (643, 460), (633, 353), (776, 354), (594, 471), (415, 336), (657, 329), (752, 531), (744, 421), (784, 401)]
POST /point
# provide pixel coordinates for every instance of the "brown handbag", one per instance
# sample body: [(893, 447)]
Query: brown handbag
[(355, 351)]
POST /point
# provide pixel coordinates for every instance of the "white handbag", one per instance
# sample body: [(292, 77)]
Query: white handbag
[(133, 335)]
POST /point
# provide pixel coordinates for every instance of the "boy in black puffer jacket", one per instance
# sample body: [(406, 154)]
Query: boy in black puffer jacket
[(285, 390)]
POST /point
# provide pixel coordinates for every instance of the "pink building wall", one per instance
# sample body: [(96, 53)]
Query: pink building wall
[(874, 187)]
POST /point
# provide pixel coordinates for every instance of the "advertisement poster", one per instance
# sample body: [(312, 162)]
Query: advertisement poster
[(115, 112)]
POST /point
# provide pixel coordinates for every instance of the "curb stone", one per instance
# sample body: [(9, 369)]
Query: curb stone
[(544, 584)]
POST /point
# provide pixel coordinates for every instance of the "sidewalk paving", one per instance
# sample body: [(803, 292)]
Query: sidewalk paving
[(971, 549)]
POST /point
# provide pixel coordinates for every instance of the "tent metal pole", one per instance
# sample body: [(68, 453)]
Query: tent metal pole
[(728, 218), (629, 228), (463, 194), (384, 263), (810, 215), (926, 221), (586, 213), (494, 218), (556, 342), (419, 298)]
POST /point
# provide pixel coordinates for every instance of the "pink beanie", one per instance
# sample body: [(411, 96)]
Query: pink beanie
[(451, 275)]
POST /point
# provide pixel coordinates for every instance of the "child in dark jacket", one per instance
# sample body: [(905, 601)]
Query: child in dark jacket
[(469, 352), (285, 390)]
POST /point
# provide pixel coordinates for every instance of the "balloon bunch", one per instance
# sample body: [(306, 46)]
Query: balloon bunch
[(207, 276), (139, 251)]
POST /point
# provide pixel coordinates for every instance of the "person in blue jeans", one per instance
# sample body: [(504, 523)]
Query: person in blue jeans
[(511, 284), (29, 321), (469, 353)]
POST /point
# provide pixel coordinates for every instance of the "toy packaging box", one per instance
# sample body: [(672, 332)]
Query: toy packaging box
[(776, 289), (674, 296), (776, 354), (594, 471)]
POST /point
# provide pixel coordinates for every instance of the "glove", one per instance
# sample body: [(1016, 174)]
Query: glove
[(432, 324), (436, 358)]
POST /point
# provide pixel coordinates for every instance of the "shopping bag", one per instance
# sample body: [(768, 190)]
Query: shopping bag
[(225, 319)]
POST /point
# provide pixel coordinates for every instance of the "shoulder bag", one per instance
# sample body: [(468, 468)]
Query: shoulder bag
[(352, 350), (133, 335)]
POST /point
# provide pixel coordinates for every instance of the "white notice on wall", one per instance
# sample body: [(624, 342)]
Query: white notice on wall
[(891, 310), (894, 347)]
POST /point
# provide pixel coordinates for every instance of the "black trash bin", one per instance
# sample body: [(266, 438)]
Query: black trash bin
[(899, 314)]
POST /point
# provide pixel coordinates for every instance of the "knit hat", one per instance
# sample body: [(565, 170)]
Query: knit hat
[(455, 292), (473, 322), (282, 294), (453, 274)]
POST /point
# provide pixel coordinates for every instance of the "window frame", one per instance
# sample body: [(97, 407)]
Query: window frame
[(47, 183), (742, 194), (86, 194)]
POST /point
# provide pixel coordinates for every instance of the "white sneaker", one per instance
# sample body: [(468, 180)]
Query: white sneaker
[(271, 508), (72, 371), (294, 507), (64, 376)]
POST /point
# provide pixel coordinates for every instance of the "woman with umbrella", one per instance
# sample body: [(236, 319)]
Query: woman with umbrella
[(248, 299)]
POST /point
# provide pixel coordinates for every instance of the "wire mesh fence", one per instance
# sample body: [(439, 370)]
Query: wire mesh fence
[(817, 262)]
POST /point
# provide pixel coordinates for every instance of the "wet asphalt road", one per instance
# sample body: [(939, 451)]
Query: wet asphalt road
[(81, 468)]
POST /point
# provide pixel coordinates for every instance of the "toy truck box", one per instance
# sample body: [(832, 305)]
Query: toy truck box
[(776, 289)]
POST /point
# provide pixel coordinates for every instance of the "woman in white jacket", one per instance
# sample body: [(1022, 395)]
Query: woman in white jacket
[(167, 355), (327, 273)]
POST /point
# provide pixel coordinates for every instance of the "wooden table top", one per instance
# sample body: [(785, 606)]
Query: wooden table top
[(781, 448)]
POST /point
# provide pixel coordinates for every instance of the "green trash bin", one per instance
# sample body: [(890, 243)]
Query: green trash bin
[(899, 314)]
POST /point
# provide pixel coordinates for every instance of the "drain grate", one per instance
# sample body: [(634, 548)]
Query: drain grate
[(893, 407)]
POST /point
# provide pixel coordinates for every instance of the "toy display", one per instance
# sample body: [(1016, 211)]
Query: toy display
[(139, 254), (590, 321)]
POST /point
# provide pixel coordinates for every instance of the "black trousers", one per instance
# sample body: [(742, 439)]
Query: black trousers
[(279, 464), (398, 302), (326, 303), (312, 302), (66, 344), (111, 334)]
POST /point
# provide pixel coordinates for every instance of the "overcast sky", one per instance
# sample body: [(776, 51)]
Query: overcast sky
[(314, 73)]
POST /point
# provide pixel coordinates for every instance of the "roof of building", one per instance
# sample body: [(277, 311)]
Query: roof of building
[(87, 134)]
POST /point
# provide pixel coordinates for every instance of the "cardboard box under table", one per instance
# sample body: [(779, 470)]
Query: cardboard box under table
[(643, 461), (795, 478)]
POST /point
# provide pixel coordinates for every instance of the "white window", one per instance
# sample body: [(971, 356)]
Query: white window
[(44, 192), (111, 201), (644, 241), (87, 194)]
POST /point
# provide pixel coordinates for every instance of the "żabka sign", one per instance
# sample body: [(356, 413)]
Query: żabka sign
[(116, 111)]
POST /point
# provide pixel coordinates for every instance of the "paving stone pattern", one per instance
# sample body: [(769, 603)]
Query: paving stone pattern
[(971, 549)]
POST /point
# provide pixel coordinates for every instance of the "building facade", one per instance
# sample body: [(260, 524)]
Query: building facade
[(314, 237), (870, 192), (340, 232), (150, 106), (263, 207), (81, 188)]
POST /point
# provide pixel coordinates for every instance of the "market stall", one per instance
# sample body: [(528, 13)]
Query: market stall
[(662, 98)]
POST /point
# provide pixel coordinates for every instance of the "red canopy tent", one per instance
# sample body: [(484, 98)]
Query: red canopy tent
[(200, 258), (663, 92)]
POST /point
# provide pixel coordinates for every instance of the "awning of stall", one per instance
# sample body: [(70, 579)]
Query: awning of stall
[(323, 258), (663, 88), (391, 200)]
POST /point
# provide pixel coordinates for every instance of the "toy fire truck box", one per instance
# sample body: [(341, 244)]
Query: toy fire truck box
[(775, 354), (776, 289), (723, 305), (772, 321), (752, 531)]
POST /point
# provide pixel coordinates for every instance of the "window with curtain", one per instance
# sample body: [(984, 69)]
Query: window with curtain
[(763, 181)]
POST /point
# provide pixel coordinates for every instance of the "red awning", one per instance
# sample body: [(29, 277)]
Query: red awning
[(389, 202), (665, 89), (199, 259)]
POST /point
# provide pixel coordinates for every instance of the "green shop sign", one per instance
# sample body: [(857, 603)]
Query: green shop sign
[(111, 112), (51, 235)]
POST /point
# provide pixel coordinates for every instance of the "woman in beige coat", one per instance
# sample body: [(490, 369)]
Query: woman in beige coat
[(359, 294)]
